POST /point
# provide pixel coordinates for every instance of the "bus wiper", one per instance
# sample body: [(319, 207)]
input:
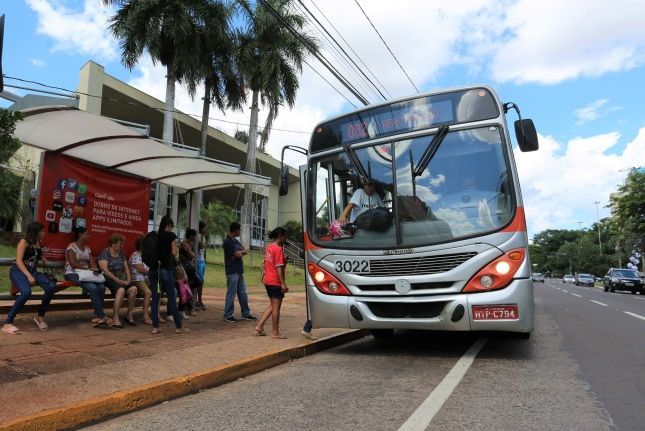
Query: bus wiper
[(431, 149), (355, 161)]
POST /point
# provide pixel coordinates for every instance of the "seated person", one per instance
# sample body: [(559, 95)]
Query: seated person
[(115, 268), (362, 200)]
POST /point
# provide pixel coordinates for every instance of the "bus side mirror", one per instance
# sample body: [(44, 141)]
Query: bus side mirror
[(284, 181), (526, 135)]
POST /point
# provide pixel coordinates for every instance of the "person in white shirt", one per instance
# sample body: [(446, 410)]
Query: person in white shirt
[(361, 201)]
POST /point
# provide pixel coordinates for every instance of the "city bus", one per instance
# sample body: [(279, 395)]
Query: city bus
[(444, 245)]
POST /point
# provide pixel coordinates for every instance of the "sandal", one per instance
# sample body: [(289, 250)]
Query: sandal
[(11, 329), (41, 325), (155, 331), (129, 322), (101, 325), (260, 333), (279, 337), (182, 330)]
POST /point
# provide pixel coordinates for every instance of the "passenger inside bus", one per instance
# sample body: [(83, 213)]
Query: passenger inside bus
[(362, 200)]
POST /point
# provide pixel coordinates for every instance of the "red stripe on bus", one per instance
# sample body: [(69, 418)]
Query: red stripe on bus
[(308, 244), (519, 222)]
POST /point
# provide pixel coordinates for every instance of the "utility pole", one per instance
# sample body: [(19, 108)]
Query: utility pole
[(598, 226)]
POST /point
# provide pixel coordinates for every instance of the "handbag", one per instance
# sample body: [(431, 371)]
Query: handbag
[(87, 275), (185, 294)]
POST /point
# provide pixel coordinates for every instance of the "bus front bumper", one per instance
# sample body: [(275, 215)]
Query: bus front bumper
[(448, 312)]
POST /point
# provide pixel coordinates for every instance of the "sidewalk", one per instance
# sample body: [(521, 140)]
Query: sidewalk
[(73, 363)]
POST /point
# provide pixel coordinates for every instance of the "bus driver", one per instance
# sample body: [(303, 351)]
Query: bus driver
[(362, 200)]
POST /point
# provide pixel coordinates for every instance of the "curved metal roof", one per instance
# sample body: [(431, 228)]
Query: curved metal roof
[(101, 141)]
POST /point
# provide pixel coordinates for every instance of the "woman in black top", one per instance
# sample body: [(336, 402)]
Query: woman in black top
[(23, 275), (167, 250)]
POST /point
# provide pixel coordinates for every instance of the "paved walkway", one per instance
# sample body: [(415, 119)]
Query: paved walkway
[(73, 362)]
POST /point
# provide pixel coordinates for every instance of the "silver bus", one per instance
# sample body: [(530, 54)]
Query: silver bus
[(440, 242)]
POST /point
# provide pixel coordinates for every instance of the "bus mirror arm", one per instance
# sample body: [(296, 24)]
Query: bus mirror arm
[(525, 132), (431, 149), (283, 188)]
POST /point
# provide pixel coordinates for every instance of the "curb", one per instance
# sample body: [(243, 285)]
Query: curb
[(118, 403)]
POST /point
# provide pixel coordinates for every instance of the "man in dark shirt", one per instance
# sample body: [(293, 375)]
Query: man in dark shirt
[(233, 253)]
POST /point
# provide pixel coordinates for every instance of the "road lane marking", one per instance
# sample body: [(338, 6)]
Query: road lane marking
[(638, 316), (575, 294), (599, 303), (422, 416), (565, 291)]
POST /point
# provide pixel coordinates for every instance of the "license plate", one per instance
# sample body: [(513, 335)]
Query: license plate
[(495, 312), (352, 265), (629, 284)]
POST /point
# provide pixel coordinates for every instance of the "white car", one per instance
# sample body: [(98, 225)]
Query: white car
[(569, 279)]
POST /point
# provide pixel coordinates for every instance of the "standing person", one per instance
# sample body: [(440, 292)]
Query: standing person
[(201, 265), (139, 271), (361, 201), (24, 274), (78, 255), (187, 259), (167, 250), (116, 271), (233, 254), (275, 282)]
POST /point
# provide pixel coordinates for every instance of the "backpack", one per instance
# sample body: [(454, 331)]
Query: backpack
[(150, 250), (378, 219)]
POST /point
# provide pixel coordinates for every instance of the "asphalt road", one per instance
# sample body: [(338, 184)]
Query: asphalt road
[(581, 370)]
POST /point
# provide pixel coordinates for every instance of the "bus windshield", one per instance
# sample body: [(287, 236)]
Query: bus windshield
[(464, 190)]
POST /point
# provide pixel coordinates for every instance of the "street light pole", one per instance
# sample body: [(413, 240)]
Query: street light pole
[(598, 225)]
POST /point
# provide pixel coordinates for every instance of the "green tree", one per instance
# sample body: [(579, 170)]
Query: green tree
[(629, 207), (294, 231), (242, 136), (271, 58), (10, 184), (169, 30), (218, 218)]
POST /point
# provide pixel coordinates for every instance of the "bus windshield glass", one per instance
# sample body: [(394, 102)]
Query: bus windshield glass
[(463, 191)]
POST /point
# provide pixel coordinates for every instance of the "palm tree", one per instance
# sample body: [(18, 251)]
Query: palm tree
[(271, 58), (168, 30), (218, 68)]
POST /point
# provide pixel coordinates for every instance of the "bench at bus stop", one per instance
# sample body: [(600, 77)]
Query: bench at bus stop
[(61, 285)]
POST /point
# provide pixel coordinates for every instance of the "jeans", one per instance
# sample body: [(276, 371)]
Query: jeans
[(96, 292), (166, 282), (308, 326), (235, 286), (20, 281)]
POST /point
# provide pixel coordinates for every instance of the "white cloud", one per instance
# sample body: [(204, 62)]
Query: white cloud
[(561, 181), (76, 32), (549, 42), (37, 62)]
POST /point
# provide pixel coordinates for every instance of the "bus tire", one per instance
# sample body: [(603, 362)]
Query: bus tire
[(382, 334)]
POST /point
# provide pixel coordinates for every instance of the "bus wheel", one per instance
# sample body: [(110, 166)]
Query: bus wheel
[(382, 334)]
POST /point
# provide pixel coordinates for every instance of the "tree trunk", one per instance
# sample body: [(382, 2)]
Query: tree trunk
[(168, 115), (205, 112), (250, 167)]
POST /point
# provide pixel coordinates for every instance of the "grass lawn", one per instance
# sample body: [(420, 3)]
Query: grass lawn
[(215, 276)]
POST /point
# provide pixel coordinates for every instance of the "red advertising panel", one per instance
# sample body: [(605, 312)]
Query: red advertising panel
[(73, 194)]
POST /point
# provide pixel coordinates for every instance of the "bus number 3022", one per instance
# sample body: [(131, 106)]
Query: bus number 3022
[(352, 265)]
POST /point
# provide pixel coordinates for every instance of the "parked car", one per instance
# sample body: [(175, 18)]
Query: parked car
[(537, 277), (623, 279), (585, 280), (568, 279)]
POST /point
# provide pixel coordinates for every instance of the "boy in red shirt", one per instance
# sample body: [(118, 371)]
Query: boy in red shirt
[(275, 282)]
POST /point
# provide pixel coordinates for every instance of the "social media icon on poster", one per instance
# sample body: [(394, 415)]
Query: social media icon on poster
[(67, 212), (78, 211), (82, 188), (57, 194), (70, 197), (53, 227), (72, 184), (80, 222), (65, 225), (82, 201), (57, 206), (62, 183), (50, 215)]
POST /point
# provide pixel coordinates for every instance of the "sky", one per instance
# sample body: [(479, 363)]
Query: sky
[(576, 67)]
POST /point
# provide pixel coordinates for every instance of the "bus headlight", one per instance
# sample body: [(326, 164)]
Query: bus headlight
[(325, 282), (496, 274)]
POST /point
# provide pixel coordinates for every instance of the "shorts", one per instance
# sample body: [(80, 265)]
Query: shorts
[(274, 292)]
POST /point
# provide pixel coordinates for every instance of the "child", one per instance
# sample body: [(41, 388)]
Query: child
[(185, 292), (274, 281)]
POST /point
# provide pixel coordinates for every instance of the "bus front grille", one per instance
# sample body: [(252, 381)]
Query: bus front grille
[(417, 265), (394, 310), (413, 286)]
